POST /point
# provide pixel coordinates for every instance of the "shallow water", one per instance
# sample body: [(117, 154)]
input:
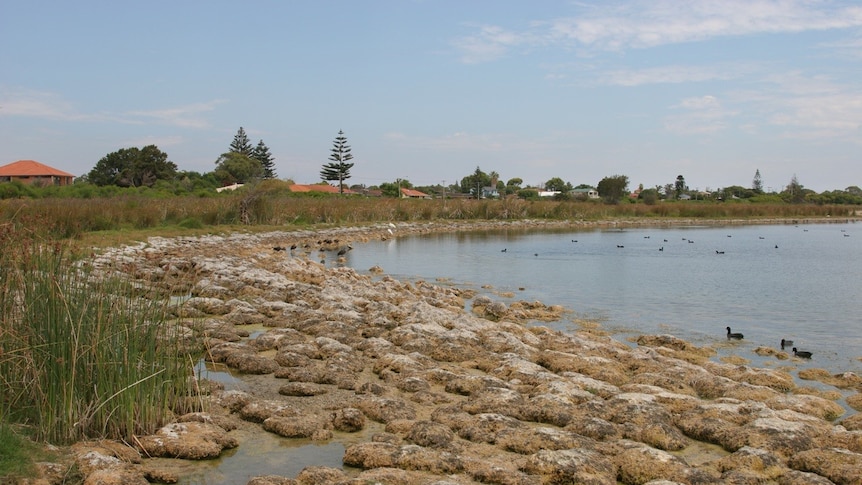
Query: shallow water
[(798, 282)]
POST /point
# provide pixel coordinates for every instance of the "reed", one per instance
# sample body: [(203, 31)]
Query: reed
[(82, 355), (269, 206)]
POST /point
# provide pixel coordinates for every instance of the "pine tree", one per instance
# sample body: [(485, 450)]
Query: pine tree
[(757, 183), (261, 154), (241, 143), (338, 169)]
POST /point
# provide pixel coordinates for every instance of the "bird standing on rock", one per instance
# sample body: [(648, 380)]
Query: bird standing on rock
[(731, 335)]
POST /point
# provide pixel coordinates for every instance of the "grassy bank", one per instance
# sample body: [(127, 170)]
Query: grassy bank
[(269, 206)]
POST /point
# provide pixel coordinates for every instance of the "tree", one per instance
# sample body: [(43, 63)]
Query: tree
[(794, 192), (557, 184), (236, 168), (613, 189), (261, 154), (679, 187), (338, 169), (241, 143), (133, 167), (472, 184), (757, 183)]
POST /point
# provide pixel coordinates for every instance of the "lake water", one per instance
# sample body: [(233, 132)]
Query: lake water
[(797, 282)]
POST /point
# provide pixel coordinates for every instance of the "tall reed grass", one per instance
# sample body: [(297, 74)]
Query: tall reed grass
[(82, 355), (71, 218)]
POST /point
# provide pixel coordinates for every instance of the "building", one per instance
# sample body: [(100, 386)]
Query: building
[(413, 194), (329, 189), (32, 172), (588, 193)]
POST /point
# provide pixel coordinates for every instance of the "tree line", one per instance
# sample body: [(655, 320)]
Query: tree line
[(149, 167)]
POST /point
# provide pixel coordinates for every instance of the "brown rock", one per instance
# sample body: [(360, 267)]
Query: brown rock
[(572, 466), (348, 420), (190, 441), (839, 465)]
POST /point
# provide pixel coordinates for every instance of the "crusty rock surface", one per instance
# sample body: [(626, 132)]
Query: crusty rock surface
[(479, 395)]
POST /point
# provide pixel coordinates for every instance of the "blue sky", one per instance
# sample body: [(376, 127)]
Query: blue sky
[(430, 89)]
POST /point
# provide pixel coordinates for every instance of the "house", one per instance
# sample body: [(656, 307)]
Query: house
[(34, 173), (588, 193), (549, 193), (413, 194), (329, 189)]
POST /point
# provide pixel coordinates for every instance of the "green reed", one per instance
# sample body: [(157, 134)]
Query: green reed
[(82, 355)]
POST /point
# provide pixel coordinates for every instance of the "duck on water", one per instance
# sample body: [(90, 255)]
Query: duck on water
[(802, 354), (731, 335)]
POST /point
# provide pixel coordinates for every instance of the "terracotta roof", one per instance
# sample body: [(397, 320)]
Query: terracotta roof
[(30, 168), (318, 188), (413, 193)]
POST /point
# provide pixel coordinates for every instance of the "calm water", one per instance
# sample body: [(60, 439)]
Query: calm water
[(798, 282)]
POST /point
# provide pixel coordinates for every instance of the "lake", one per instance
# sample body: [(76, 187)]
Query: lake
[(798, 282)]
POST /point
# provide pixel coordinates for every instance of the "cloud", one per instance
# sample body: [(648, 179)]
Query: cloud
[(37, 104), (698, 116), (650, 23), (51, 106), (673, 74), (188, 116)]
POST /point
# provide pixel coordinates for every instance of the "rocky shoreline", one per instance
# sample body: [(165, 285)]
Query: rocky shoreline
[(462, 389)]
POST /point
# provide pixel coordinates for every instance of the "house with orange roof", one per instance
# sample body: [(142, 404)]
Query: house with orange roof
[(34, 173), (413, 194), (326, 188)]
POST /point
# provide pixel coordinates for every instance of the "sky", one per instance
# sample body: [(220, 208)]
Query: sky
[(429, 90)]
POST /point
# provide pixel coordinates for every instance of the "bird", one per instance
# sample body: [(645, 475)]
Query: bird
[(661, 248), (802, 354), (786, 343), (279, 248), (719, 252), (776, 246), (731, 335), (343, 251), (620, 246), (503, 250)]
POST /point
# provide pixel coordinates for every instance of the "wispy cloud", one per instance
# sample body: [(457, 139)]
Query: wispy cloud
[(188, 116), (674, 74), (52, 106), (650, 23), (38, 104), (698, 115)]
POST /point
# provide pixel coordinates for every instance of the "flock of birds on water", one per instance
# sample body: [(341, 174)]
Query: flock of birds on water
[(328, 244), (802, 354), (690, 241)]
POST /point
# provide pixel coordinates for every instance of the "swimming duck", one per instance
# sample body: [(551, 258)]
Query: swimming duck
[(802, 354), (731, 335)]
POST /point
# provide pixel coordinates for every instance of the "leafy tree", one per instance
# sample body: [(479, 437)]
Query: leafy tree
[(558, 185), (133, 167), (649, 196), (241, 143), (236, 168), (613, 189), (679, 187), (261, 154), (853, 190), (472, 184), (338, 169), (757, 183), (393, 189)]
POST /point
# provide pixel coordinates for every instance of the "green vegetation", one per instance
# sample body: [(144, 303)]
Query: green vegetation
[(83, 355)]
